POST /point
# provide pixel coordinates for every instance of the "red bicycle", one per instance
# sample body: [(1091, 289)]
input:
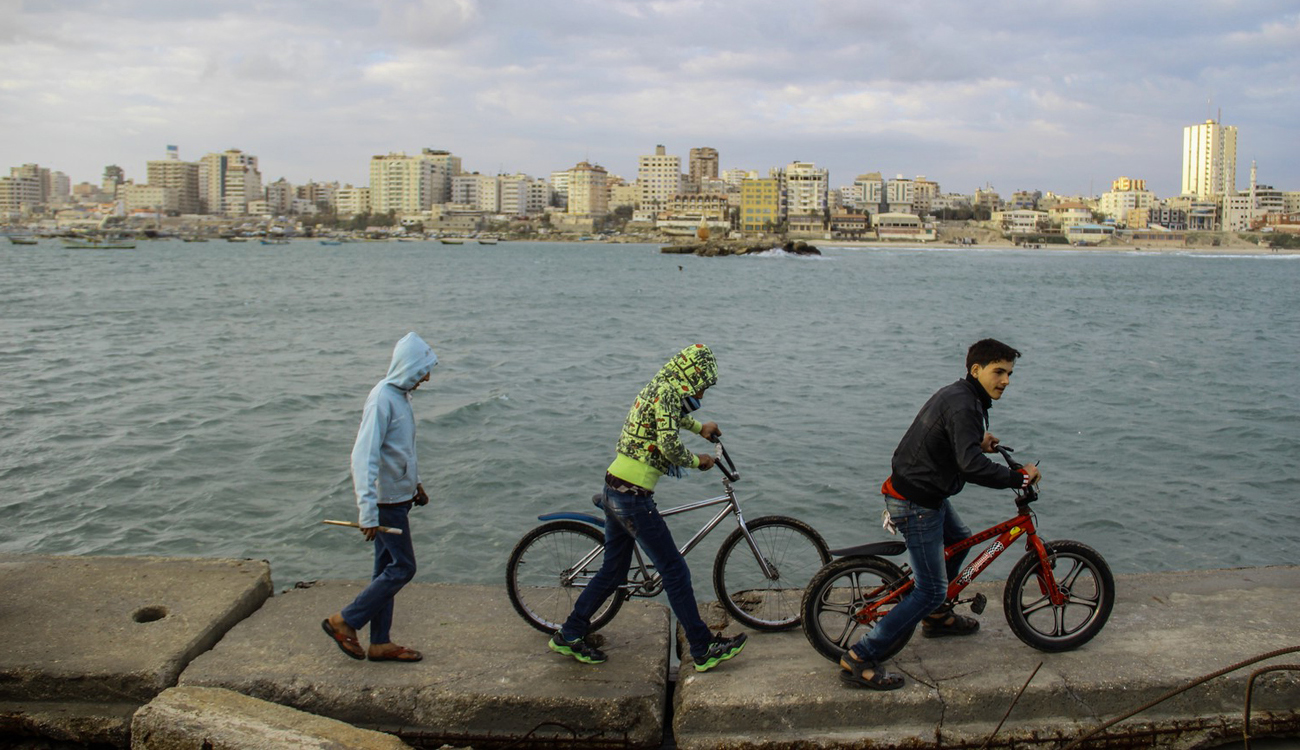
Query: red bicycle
[(1057, 598)]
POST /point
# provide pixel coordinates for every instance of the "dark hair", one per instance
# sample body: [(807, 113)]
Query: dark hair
[(984, 351)]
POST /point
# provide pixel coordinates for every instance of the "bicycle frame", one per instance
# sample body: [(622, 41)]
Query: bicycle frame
[(641, 582), (1006, 532)]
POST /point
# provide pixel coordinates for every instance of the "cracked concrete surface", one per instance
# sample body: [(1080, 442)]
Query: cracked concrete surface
[(1166, 629), (485, 672)]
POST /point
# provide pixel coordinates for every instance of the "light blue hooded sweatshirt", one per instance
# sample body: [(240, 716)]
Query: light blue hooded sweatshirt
[(383, 458)]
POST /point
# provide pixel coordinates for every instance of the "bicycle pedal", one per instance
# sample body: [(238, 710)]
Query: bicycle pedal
[(978, 604)]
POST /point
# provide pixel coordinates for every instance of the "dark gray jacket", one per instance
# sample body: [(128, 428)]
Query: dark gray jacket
[(940, 452)]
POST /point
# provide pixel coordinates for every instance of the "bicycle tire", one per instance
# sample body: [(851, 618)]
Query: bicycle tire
[(796, 552), (1088, 584), (841, 588), (537, 565)]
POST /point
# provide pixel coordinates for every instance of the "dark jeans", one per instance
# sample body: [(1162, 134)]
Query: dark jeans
[(926, 532), (633, 520), (394, 568)]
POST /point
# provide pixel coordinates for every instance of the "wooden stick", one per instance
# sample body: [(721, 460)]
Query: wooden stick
[(355, 525)]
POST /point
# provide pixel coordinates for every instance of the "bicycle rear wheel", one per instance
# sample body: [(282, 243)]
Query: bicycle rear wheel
[(1082, 575), (541, 577), (840, 590), (794, 552)]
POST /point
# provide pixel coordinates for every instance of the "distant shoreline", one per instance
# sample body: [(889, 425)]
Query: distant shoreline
[(1136, 249)]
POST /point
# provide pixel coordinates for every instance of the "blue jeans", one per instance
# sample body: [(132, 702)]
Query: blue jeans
[(926, 532), (394, 568), (631, 520)]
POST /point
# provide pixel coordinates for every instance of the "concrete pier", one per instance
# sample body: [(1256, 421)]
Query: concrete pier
[(487, 677), (91, 640), (88, 640), (1167, 629)]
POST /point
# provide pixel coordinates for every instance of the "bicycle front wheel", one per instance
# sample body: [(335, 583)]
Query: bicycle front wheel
[(550, 567), (1082, 575), (837, 593), (793, 551)]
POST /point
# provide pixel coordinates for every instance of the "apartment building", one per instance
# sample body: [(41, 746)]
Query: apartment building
[(228, 182), (180, 178), (659, 178), (1209, 160), (924, 192), (19, 195), (412, 184), (900, 195), (703, 165), (352, 201), (522, 195), (481, 191), (806, 188), (760, 204), (588, 191)]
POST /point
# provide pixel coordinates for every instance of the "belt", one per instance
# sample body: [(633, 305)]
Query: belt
[(622, 485)]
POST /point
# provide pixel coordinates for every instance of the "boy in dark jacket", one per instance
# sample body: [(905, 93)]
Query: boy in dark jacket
[(942, 450)]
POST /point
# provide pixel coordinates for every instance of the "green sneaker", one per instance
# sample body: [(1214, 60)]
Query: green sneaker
[(720, 649), (578, 649)]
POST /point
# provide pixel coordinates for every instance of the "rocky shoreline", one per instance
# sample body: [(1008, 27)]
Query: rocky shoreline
[(716, 248)]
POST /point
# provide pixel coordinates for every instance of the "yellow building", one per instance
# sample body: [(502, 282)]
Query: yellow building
[(760, 205), (588, 190)]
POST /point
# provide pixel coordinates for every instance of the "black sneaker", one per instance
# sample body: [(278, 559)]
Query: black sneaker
[(720, 649), (577, 649)]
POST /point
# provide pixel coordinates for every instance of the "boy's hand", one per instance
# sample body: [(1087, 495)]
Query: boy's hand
[(420, 497), (370, 532), (706, 461), (989, 443), (709, 431), (1033, 473)]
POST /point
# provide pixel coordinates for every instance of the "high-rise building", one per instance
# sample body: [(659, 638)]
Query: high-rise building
[(412, 184), (703, 165), (588, 191), (179, 178), (113, 176), (806, 188), (1209, 160), (659, 178), (481, 191), (228, 182)]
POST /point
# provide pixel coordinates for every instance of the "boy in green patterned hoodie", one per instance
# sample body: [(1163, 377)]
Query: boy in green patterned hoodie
[(648, 448)]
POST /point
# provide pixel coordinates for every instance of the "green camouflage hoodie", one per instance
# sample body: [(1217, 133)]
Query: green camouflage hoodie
[(649, 446)]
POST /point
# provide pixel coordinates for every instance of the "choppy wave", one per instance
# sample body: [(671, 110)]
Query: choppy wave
[(204, 402)]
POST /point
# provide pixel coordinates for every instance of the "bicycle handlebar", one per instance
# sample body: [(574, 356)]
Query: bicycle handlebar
[(722, 460), (1030, 493)]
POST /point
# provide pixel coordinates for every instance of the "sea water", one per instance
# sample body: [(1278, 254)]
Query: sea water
[(201, 399)]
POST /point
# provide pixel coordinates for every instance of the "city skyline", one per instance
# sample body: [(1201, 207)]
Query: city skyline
[(1063, 98)]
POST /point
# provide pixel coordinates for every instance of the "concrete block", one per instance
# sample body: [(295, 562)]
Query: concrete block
[(486, 676), (97, 637), (190, 718), (1166, 630)]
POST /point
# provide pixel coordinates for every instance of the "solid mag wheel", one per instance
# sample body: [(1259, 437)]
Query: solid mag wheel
[(794, 552), (1085, 579), (837, 592), (538, 574)]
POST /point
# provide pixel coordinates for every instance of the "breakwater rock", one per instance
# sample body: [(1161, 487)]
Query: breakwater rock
[(715, 248)]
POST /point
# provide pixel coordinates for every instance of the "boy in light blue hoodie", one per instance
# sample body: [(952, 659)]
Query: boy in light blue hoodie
[(387, 484)]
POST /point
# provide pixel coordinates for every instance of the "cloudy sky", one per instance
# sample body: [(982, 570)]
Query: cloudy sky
[(1062, 96)]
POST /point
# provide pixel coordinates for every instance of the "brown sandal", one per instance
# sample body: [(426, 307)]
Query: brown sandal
[(348, 644), (401, 653)]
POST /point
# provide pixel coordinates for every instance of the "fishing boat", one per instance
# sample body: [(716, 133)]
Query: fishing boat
[(487, 240), (91, 243), (331, 242), (452, 240), (275, 242), (22, 240)]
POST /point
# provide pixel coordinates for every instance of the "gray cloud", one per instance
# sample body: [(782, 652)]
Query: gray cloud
[(1053, 96)]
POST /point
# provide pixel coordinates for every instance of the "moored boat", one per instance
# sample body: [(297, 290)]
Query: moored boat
[(22, 240), (452, 240)]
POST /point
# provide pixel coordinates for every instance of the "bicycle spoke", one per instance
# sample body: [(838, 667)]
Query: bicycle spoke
[(1067, 581), (1037, 605)]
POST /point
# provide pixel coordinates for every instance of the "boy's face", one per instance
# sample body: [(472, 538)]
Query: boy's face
[(995, 377)]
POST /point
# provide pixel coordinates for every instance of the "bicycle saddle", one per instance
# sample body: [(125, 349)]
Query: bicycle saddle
[(875, 548)]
